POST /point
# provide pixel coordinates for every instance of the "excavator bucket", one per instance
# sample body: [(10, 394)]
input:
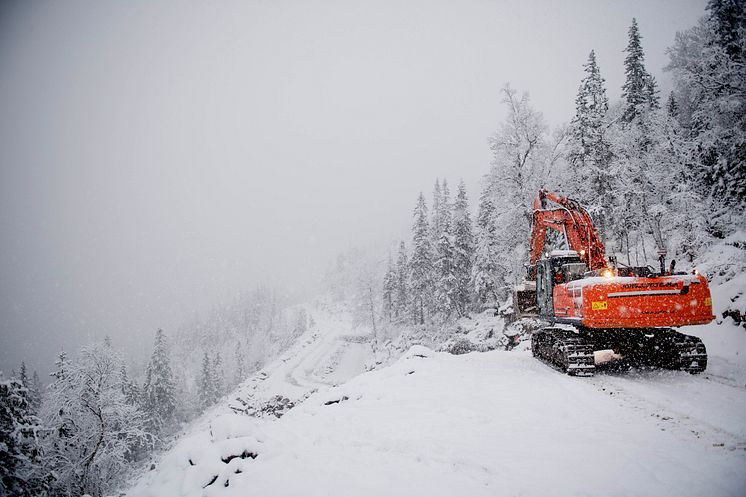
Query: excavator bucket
[(524, 300)]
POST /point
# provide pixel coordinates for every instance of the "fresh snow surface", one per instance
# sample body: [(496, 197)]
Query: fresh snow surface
[(330, 352), (493, 423)]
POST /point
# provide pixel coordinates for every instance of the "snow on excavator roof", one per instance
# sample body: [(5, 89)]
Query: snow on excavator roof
[(563, 253), (620, 280)]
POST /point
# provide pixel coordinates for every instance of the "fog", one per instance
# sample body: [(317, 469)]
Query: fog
[(156, 158)]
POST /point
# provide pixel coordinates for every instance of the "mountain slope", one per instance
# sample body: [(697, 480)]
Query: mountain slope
[(494, 423)]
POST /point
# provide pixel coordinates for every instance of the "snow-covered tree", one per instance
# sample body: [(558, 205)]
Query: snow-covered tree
[(444, 276), (589, 151), (218, 375), (629, 194), (672, 106), (23, 375), (654, 197), (591, 105), (401, 293), (389, 289), (675, 218), (436, 212), (484, 269), (708, 63), (640, 89), (62, 366), (205, 383), (92, 427), (21, 469), (130, 389), (367, 302), (463, 246), (240, 364), (519, 169), (421, 265), (35, 392), (632, 192), (158, 395), (301, 321)]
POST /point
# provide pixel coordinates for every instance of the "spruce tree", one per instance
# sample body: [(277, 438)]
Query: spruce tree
[(640, 89), (159, 400), (589, 150), (240, 360), (63, 427), (401, 293), (389, 289), (35, 393), (61, 366), (23, 375), (205, 390), (672, 107), (435, 221), (60, 373), (218, 380), (652, 98), (130, 389), (728, 18), (588, 125), (211, 383), (463, 242), (421, 264), (444, 206), (485, 257), (21, 471), (444, 301), (633, 192)]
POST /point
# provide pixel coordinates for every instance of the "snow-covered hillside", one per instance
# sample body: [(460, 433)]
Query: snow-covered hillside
[(492, 423), (331, 352)]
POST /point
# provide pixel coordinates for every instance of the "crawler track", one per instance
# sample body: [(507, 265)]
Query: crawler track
[(572, 350), (565, 349), (691, 353)]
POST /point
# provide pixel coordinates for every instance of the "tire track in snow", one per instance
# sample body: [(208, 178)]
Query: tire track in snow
[(682, 402), (673, 399)]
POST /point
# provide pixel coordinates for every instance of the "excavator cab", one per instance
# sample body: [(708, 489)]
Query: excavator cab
[(560, 266), (534, 297)]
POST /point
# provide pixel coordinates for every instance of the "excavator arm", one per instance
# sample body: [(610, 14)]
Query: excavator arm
[(571, 219)]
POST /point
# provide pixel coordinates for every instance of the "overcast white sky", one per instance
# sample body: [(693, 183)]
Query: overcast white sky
[(157, 157)]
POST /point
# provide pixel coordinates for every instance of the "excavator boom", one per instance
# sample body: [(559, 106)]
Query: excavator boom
[(571, 219)]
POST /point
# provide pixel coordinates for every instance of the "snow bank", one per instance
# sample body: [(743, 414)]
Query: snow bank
[(725, 261), (725, 267)]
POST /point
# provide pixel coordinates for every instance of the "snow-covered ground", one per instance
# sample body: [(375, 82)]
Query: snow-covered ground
[(331, 352), (491, 423)]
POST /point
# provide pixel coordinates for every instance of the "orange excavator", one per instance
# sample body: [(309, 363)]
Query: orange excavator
[(596, 304)]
